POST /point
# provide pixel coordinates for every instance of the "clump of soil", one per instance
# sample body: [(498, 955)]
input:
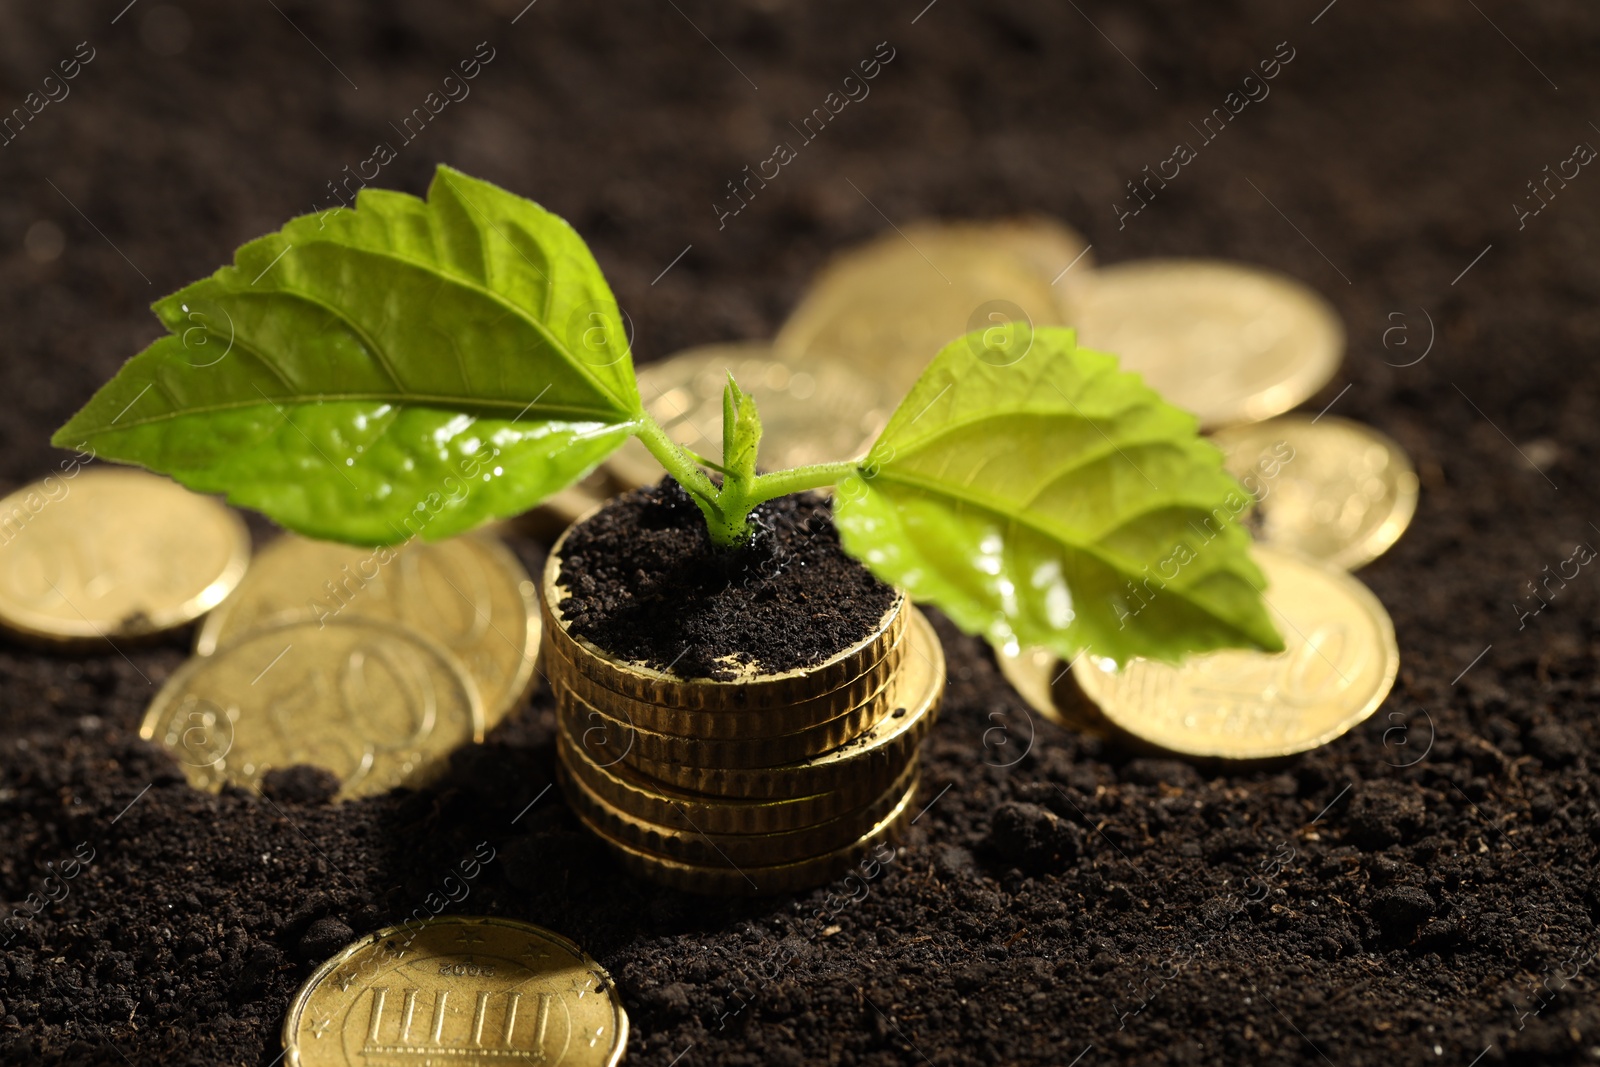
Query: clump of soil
[(648, 585)]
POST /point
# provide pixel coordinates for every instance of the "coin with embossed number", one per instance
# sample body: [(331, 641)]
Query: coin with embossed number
[(114, 553), (453, 991), (889, 307), (1228, 342), (1326, 488), (812, 410), (376, 703), (468, 593), (1340, 663)]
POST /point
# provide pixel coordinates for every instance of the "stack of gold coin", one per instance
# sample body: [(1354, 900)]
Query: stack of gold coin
[(374, 664), (764, 783)]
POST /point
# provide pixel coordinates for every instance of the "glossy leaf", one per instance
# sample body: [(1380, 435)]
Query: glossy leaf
[(406, 367), (1040, 496)]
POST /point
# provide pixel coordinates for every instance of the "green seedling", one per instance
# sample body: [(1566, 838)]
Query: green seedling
[(416, 368)]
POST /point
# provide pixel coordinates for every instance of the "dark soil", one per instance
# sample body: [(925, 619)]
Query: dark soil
[(1422, 891), (649, 586)]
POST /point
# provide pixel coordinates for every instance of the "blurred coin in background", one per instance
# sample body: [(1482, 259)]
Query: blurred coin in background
[(114, 553), (812, 410), (889, 306), (1227, 342), (1326, 488)]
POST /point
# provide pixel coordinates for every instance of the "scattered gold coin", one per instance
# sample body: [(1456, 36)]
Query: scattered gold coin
[(1340, 663), (375, 703), (468, 593), (888, 307), (114, 553), (1326, 488), (1042, 679), (813, 410), (457, 990), (550, 519), (1228, 342), (1051, 249)]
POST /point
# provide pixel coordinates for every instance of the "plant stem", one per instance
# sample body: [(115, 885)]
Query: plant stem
[(727, 508), (799, 479), (685, 470), (678, 461)]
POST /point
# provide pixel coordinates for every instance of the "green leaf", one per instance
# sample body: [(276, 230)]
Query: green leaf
[(406, 367), (1039, 496), (741, 431)]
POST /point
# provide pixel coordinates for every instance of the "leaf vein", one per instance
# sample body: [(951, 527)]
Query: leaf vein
[(455, 404), (442, 270), (1001, 511)]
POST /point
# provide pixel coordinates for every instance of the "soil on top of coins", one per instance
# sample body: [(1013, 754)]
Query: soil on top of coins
[(1423, 890), (647, 585)]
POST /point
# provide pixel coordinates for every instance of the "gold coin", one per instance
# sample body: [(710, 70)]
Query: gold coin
[(114, 553), (468, 593), (376, 703), (878, 755), (750, 688), (1041, 678), (1326, 488), (1228, 342), (1340, 663), (1052, 250), (860, 696), (683, 840), (764, 880), (812, 410), (550, 519), (457, 990), (628, 790), (889, 307)]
